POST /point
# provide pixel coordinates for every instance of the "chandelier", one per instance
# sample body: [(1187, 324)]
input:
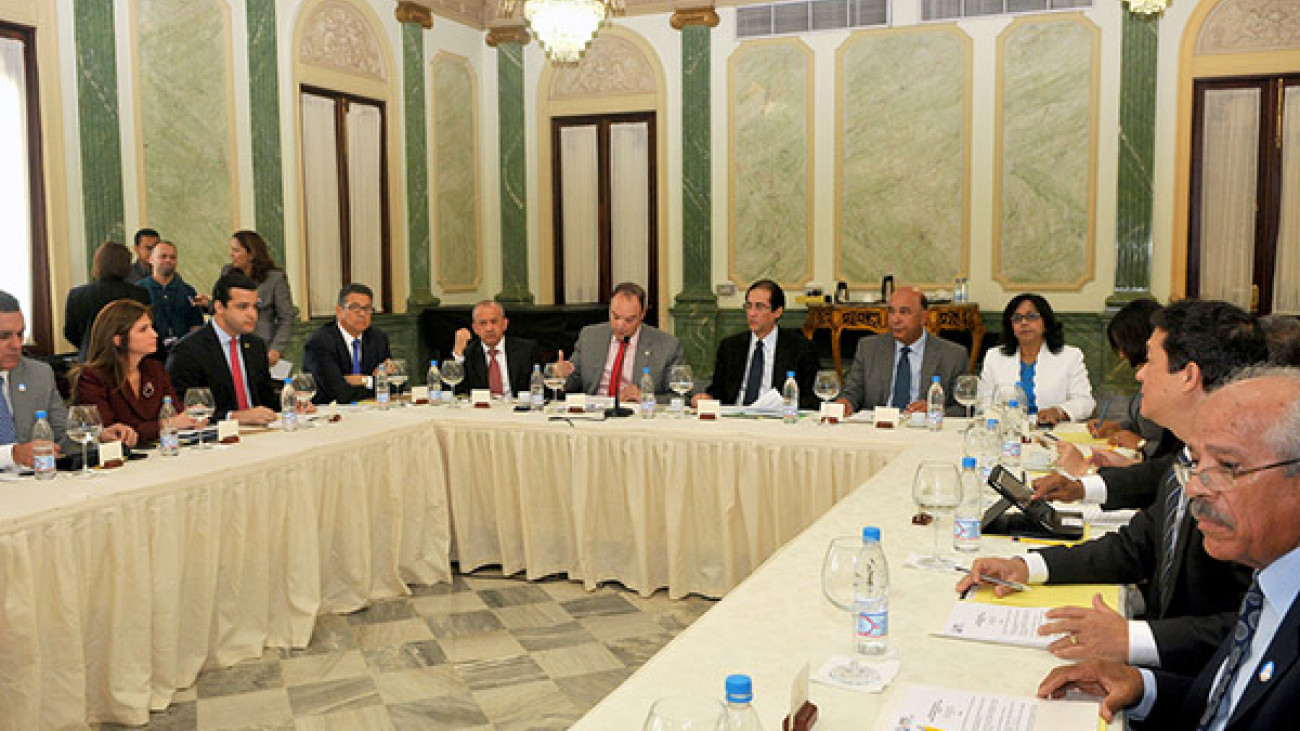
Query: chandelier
[(564, 27), (1147, 7)]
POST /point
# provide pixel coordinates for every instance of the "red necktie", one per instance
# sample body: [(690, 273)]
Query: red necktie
[(494, 373), (616, 375), (237, 374)]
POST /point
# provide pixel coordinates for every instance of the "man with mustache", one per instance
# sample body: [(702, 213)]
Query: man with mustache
[(1190, 597), (1244, 490)]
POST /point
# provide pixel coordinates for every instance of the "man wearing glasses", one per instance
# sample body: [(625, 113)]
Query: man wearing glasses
[(751, 363), (1190, 597), (343, 355)]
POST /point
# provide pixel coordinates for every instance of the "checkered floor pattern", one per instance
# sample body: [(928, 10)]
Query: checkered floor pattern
[(484, 652)]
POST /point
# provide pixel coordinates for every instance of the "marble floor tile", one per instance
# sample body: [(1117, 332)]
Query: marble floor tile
[(246, 710), (463, 624), (545, 614), (333, 696), (449, 712), (500, 672), (568, 634), (405, 686), (587, 690), (388, 611), (599, 605), (634, 651), (244, 677), (528, 703), (619, 626), (181, 716), (406, 656), (374, 636), (481, 647), (372, 718), (319, 668), (331, 634), (460, 602), (562, 591), (513, 596), (591, 657)]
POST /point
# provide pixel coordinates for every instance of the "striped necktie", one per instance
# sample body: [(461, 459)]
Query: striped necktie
[(1247, 622), (8, 434), (1173, 510)]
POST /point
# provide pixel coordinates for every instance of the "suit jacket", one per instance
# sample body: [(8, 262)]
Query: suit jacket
[(1060, 379), (31, 389), (328, 358), (124, 406), (1270, 703), (199, 360), (1134, 486), (521, 355), (274, 310), (1206, 592), (656, 350), (85, 302), (793, 353), (867, 384)]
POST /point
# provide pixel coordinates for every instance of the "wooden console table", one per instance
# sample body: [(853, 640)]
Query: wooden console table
[(875, 318)]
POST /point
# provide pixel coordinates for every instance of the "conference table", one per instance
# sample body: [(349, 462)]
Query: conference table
[(116, 590)]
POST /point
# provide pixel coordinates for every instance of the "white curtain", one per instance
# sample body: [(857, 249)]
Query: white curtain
[(1229, 167), (629, 171), (580, 213), (15, 196), (1286, 277), (365, 202), (320, 176)]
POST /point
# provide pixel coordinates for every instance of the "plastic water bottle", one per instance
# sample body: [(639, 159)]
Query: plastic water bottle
[(537, 389), (790, 399), (647, 387), (43, 448), (433, 379), (1011, 437), (741, 715), (871, 596), (169, 441), (288, 406), (970, 511), (381, 387), (934, 403)]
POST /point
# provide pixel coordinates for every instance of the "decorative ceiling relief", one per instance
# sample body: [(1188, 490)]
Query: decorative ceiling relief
[(1237, 26), (338, 36), (613, 66)]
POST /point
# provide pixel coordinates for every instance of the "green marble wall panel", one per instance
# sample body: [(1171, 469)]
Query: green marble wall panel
[(1047, 141), (697, 178), (417, 160), (455, 173), (1137, 136), (264, 116), (185, 129), (903, 138), (98, 122), (770, 156), (514, 170)]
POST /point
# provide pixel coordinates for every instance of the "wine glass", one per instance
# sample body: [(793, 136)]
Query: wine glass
[(936, 488), (681, 381), (838, 574), (198, 406), (554, 379), (84, 426), (966, 390), (397, 377), (452, 374), (304, 389), (827, 385), (684, 713)]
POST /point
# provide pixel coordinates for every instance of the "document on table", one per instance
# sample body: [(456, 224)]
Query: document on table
[(997, 623), (927, 707), (1053, 595)]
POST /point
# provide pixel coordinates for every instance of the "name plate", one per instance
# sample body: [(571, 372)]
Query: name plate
[(420, 394), (481, 398), (886, 417), (832, 412), (708, 409), (110, 455), (228, 431), (575, 403)]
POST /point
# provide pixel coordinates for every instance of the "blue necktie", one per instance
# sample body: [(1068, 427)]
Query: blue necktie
[(7, 433), (902, 380), (1173, 503), (356, 355), (755, 379), (1242, 634)]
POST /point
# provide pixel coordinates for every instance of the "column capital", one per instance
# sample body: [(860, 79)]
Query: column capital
[(683, 17), (412, 12), (507, 34)]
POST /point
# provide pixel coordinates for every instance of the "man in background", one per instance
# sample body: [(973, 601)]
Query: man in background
[(343, 355), (176, 305), (493, 361)]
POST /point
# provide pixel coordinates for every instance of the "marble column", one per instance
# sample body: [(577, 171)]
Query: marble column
[(509, 42), (99, 123), (1137, 120), (696, 308), (264, 117), (415, 20)]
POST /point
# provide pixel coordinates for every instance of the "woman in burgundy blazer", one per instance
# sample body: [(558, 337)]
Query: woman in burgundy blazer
[(118, 379)]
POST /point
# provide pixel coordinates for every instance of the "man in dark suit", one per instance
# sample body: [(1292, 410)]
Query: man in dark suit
[(1190, 596), (493, 361), (343, 355), (227, 357), (896, 368), (753, 362), (1244, 492)]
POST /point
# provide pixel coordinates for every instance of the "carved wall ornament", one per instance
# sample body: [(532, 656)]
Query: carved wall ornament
[(337, 36), (612, 66), (1236, 26), (411, 12)]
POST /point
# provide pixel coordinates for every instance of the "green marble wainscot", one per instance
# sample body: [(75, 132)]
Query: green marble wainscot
[(185, 129), (99, 122), (264, 117), (904, 101), (770, 151), (417, 166), (514, 169), (1137, 135), (1045, 227), (455, 172), (697, 179)]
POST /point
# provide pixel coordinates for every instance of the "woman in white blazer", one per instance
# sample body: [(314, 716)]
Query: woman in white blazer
[(1034, 355)]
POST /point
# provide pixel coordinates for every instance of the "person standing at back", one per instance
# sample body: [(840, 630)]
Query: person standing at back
[(145, 240), (176, 306), (109, 271), (250, 255)]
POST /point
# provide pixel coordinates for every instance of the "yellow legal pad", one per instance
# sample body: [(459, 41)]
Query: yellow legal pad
[(1056, 595)]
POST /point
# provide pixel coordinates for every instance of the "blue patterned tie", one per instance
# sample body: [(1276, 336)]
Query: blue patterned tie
[(902, 380), (7, 433), (356, 355), (1242, 634), (1173, 501), (755, 379)]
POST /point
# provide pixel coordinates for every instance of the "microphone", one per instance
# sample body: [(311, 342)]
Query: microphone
[(618, 412)]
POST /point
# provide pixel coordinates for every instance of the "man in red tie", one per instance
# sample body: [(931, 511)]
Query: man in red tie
[(609, 358), (493, 361), (227, 357)]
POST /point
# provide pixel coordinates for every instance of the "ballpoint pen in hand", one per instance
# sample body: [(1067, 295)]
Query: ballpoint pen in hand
[(994, 580)]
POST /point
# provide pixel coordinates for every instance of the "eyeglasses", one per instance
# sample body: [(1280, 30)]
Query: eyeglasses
[(759, 306), (1018, 318), (1223, 477), (354, 308)]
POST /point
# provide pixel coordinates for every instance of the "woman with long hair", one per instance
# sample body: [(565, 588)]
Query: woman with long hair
[(1034, 356), (109, 270), (250, 255), (127, 387)]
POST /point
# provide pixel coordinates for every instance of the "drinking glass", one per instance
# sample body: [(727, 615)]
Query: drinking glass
[(199, 406), (681, 381), (397, 377), (936, 488), (304, 390), (966, 390), (452, 374), (827, 385), (838, 575), (554, 380), (684, 713), (84, 426)]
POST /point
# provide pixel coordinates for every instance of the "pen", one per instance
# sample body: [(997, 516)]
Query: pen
[(994, 580), (1105, 405), (1039, 541)]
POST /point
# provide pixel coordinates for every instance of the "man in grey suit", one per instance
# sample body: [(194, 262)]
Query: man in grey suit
[(896, 368), (610, 357)]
